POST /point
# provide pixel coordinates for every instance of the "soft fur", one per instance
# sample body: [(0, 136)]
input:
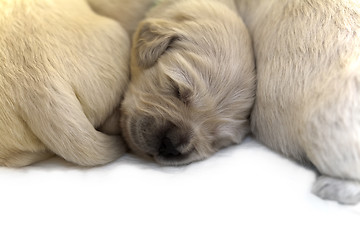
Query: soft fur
[(308, 92), (127, 12), (63, 72), (192, 83)]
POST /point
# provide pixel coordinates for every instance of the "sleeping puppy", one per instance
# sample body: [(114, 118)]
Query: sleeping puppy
[(63, 72), (308, 92), (192, 81)]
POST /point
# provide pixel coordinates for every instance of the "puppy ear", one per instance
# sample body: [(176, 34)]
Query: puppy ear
[(152, 39)]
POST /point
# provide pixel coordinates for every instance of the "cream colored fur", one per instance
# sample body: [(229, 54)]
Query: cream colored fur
[(63, 72), (192, 81), (308, 92), (127, 12)]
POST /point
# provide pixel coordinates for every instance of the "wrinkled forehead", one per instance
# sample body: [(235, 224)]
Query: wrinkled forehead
[(201, 49)]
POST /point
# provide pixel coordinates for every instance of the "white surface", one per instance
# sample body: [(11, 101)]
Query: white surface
[(244, 192)]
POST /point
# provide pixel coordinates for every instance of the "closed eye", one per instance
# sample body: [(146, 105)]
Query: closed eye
[(177, 93), (182, 93)]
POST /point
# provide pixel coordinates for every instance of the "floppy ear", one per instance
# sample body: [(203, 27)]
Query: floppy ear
[(152, 39)]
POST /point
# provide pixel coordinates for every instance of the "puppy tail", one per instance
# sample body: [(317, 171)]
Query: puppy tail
[(56, 117)]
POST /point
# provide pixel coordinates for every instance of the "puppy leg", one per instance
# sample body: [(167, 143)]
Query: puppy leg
[(342, 191), (25, 158), (340, 179), (333, 146), (57, 119)]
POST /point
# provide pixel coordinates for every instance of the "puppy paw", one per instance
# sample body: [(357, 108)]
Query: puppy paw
[(342, 191)]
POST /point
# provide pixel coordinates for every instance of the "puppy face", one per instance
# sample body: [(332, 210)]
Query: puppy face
[(191, 90)]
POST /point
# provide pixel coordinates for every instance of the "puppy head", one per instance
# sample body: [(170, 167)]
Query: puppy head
[(191, 90)]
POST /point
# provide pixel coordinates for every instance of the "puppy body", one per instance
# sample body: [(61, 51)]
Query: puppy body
[(192, 81), (308, 92), (63, 72), (127, 12)]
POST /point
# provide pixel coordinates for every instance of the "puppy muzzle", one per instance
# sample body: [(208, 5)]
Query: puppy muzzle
[(166, 142)]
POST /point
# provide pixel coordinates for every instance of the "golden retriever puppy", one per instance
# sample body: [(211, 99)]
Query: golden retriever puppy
[(63, 72), (308, 91), (192, 81)]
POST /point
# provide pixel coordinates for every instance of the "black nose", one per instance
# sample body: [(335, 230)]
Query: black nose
[(167, 149)]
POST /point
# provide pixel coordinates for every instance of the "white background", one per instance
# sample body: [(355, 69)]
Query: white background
[(243, 192)]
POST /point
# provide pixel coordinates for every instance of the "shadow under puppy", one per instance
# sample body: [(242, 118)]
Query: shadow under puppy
[(63, 72), (308, 92), (192, 81)]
